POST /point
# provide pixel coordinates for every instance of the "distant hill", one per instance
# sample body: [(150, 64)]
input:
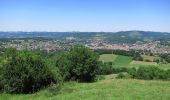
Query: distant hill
[(135, 36), (111, 37)]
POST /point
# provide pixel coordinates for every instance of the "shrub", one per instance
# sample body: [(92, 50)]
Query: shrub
[(150, 73), (80, 63), (105, 69), (123, 76), (1, 85), (147, 60), (132, 72), (168, 74), (100, 77), (108, 63), (26, 72), (137, 56), (119, 69)]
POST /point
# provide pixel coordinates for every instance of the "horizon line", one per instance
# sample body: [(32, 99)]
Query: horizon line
[(92, 31)]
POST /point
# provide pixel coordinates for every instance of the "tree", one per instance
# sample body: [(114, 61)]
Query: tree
[(105, 68), (150, 73), (79, 63), (137, 56), (26, 72), (165, 57)]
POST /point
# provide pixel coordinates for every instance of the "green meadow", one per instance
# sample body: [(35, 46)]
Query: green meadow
[(122, 61), (108, 57), (118, 60), (107, 89), (126, 61)]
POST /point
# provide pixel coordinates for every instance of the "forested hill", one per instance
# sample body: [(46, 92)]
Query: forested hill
[(112, 37), (135, 36)]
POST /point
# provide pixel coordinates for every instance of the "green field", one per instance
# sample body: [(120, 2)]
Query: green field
[(125, 61), (122, 61), (164, 66), (107, 57), (142, 63), (151, 58), (118, 60), (108, 89)]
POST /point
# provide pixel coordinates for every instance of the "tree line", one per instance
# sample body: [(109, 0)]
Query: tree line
[(28, 72)]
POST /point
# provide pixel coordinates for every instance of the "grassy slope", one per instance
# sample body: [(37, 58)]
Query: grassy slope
[(141, 63), (107, 57), (109, 89), (151, 58), (125, 61), (118, 60), (122, 61), (164, 66)]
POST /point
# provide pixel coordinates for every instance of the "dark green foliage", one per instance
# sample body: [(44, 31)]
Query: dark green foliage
[(156, 60), (117, 52), (1, 85), (137, 56), (132, 72), (148, 73), (165, 57), (168, 74), (107, 68), (108, 63), (63, 64), (123, 76), (80, 64), (100, 77), (26, 72), (147, 60), (104, 69), (119, 69)]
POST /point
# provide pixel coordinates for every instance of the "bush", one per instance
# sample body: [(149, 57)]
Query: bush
[(119, 69), (137, 56), (132, 72), (149, 73), (80, 63), (147, 60), (168, 74), (100, 77), (105, 69), (123, 76), (26, 72), (1, 85)]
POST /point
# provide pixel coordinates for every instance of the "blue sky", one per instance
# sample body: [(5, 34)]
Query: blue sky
[(85, 15)]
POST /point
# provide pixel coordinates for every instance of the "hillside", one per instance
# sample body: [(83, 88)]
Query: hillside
[(108, 89), (111, 37), (126, 61), (136, 36)]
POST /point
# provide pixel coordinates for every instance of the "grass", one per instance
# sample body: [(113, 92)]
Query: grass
[(151, 58), (118, 60), (164, 66), (141, 63), (125, 61), (122, 61), (107, 57), (108, 89)]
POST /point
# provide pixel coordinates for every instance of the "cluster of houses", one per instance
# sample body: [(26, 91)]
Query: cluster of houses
[(153, 47), (42, 45), (54, 45)]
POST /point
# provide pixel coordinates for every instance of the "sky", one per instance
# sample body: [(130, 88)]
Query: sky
[(85, 15)]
